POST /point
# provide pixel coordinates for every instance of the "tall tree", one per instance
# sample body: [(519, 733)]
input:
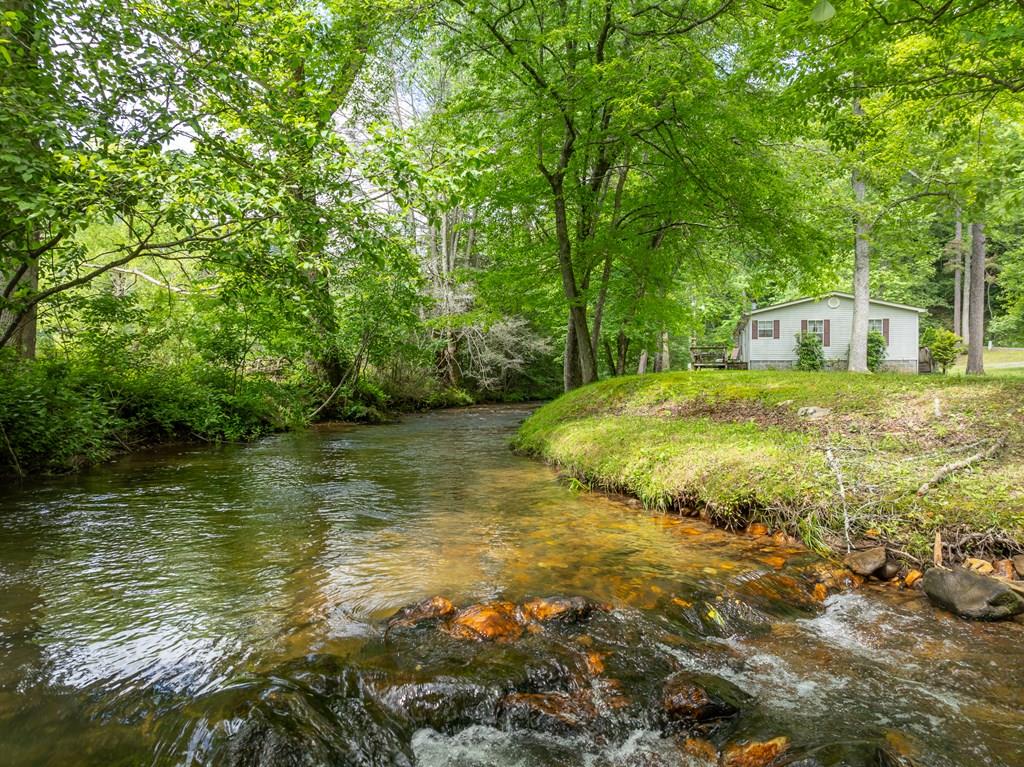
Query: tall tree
[(975, 346), (573, 89), (858, 359)]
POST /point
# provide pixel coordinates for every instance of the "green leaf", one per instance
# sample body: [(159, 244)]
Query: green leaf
[(822, 12)]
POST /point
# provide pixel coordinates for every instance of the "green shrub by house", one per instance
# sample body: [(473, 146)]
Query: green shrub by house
[(876, 350), (810, 352)]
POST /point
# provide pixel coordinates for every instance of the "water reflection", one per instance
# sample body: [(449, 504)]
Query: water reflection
[(219, 605)]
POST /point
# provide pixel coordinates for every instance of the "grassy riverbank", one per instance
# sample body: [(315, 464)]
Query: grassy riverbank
[(735, 446)]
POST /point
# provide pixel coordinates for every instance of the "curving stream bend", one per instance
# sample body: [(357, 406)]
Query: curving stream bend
[(225, 605)]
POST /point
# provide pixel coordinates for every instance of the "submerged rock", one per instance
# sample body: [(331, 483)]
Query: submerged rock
[(866, 562), (306, 713), (556, 712), (494, 621), (562, 609), (912, 578), (445, 705), (689, 698), (428, 609), (701, 749), (971, 595), (756, 754), (499, 620), (848, 754), (1004, 569)]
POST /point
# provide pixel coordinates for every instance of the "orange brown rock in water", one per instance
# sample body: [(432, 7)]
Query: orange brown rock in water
[(488, 621), (595, 662), (701, 749), (900, 749), (757, 754), (979, 566), (685, 700), (548, 710), (912, 577), (777, 562), (434, 607), (757, 529), (820, 592), (781, 538), (848, 580), (566, 609), (1004, 569)]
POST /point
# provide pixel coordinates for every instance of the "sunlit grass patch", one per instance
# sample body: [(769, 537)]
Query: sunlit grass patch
[(733, 446)]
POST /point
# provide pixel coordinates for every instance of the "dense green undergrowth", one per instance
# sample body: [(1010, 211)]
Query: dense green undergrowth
[(734, 447), (59, 415)]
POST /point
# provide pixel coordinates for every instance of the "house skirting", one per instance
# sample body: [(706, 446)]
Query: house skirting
[(889, 366)]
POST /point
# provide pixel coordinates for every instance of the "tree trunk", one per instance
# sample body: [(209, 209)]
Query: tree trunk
[(622, 350), (602, 296), (858, 362), (22, 67), (958, 246), (965, 303), (572, 377), (956, 299), (666, 362), (641, 368), (609, 357), (24, 339), (327, 362), (975, 362), (577, 310)]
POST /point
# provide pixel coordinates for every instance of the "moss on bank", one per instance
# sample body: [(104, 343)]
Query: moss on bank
[(734, 446)]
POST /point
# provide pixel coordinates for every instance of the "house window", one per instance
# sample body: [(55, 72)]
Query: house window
[(879, 326), (765, 329), (817, 327)]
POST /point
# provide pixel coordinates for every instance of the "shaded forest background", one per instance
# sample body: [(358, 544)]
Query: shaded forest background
[(223, 218)]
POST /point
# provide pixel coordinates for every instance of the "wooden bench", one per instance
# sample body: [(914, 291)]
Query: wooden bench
[(715, 358)]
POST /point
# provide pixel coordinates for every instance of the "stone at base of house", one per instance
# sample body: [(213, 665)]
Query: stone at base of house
[(889, 366), (900, 366), (770, 365)]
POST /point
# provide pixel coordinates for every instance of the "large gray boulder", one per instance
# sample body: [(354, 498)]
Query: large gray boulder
[(971, 595)]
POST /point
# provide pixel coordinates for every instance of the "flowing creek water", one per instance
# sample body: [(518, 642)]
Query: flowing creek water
[(226, 605)]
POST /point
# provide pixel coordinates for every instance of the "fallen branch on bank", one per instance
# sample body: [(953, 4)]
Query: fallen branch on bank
[(838, 471), (955, 466)]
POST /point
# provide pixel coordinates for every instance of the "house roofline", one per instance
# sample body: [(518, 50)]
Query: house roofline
[(752, 312)]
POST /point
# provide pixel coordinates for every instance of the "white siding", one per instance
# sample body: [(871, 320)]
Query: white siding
[(903, 332)]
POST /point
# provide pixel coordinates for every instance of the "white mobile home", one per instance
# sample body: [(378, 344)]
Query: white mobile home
[(767, 336)]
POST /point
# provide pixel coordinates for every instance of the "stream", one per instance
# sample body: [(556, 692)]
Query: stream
[(226, 605)]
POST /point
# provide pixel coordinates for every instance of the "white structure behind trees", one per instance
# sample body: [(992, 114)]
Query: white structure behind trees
[(767, 336)]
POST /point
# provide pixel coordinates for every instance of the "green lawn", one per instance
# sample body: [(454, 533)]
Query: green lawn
[(733, 446), (999, 361)]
